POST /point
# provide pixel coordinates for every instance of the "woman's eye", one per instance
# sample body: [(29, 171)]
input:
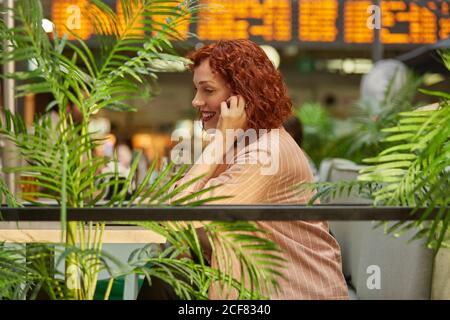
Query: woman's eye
[(209, 90)]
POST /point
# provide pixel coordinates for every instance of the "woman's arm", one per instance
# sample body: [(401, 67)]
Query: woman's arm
[(232, 117)]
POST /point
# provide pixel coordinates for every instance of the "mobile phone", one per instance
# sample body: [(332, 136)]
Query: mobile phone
[(228, 101)]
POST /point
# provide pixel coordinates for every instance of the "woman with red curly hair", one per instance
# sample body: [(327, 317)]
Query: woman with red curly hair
[(242, 68), (238, 88)]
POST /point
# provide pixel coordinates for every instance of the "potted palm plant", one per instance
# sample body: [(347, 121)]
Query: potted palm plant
[(411, 168), (59, 158)]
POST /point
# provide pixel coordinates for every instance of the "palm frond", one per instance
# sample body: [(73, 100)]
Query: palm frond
[(327, 191), (415, 171), (371, 117), (7, 196), (260, 260), (60, 164)]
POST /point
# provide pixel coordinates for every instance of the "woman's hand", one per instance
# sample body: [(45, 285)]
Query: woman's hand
[(232, 114), (232, 117)]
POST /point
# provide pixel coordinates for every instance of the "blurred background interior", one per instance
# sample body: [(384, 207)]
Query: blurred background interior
[(347, 80), (324, 50)]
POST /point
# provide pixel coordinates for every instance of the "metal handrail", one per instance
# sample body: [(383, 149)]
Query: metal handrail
[(334, 212)]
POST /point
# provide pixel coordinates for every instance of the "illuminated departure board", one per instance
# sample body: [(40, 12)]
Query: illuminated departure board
[(421, 21), (444, 23), (336, 23), (182, 27), (134, 29), (355, 28), (318, 20), (231, 19)]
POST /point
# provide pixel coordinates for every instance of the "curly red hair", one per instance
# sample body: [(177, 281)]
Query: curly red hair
[(250, 73)]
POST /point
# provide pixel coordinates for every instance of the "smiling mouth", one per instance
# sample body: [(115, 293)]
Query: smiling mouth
[(207, 115)]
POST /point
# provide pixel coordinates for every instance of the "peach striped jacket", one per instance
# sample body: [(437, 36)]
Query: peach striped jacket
[(314, 269)]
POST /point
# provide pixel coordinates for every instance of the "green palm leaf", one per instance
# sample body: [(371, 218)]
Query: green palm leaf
[(59, 156)]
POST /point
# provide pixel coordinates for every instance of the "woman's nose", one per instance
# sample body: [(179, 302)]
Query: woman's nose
[(197, 103)]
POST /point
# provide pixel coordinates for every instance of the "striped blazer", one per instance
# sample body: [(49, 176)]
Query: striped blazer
[(313, 269)]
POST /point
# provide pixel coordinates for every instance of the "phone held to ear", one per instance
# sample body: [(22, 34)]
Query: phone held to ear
[(228, 102)]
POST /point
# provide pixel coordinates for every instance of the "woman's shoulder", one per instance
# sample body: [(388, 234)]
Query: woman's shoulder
[(293, 160), (275, 153), (284, 142), (274, 142)]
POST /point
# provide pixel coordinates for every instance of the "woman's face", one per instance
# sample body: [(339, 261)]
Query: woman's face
[(210, 90)]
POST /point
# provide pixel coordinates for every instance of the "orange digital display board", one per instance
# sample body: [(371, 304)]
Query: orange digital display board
[(244, 19), (303, 22), (444, 23), (77, 15), (355, 28), (318, 20), (421, 21)]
